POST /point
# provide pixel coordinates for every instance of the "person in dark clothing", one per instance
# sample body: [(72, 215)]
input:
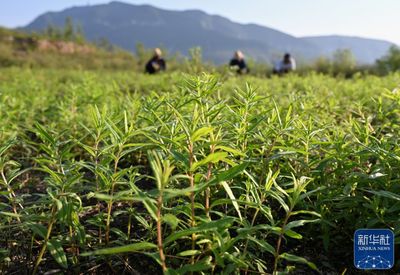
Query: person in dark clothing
[(156, 63), (238, 63)]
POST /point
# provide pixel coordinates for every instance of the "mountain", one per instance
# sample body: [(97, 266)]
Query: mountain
[(365, 50), (126, 25)]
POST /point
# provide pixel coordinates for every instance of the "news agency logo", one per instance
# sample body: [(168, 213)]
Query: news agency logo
[(373, 249)]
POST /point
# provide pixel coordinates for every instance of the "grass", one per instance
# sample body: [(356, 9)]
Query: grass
[(121, 172)]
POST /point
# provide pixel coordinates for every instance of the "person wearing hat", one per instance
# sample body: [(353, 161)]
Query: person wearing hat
[(156, 63), (238, 63)]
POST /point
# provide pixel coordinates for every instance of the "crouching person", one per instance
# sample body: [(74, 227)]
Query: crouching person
[(238, 63), (156, 63), (286, 65)]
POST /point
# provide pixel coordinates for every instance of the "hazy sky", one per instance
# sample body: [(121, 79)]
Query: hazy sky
[(366, 18)]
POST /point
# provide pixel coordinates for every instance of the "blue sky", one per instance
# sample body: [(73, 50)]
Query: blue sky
[(365, 18)]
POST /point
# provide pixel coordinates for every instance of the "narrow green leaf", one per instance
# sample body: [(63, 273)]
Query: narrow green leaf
[(6, 146), (229, 174), (189, 253), (200, 133), (263, 245), (205, 227), (280, 200), (297, 259), (204, 264), (151, 208), (266, 227), (44, 135), (38, 229), (171, 220), (290, 233), (57, 252), (305, 212), (180, 158), (213, 158), (298, 223), (10, 214), (232, 197), (230, 150), (136, 247), (386, 194)]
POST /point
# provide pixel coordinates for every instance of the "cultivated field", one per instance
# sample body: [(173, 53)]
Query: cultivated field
[(128, 173)]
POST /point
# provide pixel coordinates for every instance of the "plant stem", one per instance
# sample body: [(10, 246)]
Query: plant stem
[(279, 242), (44, 246), (208, 191), (110, 202), (96, 162), (108, 221), (191, 181), (128, 233), (11, 195), (159, 234), (247, 241)]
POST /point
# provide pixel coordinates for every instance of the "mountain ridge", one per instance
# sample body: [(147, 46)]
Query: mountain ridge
[(126, 25)]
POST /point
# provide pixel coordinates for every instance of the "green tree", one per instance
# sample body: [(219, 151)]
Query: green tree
[(142, 54), (390, 62), (323, 65), (68, 29), (79, 35), (53, 32), (343, 61), (105, 44)]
